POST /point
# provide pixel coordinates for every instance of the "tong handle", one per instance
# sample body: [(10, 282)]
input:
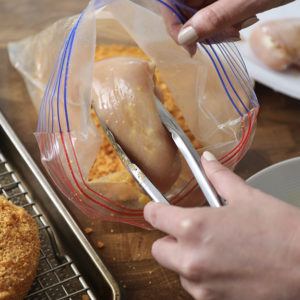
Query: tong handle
[(190, 154), (146, 184), (193, 160), (133, 169)]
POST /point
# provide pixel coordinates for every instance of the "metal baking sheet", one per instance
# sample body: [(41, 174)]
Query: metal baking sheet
[(58, 276)]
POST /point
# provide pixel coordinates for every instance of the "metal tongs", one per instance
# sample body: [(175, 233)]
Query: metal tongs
[(185, 147)]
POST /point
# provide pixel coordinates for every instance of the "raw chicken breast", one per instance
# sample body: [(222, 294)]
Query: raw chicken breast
[(124, 98), (277, 43)]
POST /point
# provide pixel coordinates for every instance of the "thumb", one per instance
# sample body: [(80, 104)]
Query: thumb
[(216, 17), (227, 184)]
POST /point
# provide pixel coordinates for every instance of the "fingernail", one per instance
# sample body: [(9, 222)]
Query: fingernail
[(187, 36), (249, 22), (209, 156), (148, 205)]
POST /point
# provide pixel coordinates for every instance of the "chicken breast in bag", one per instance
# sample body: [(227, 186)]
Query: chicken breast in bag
[(124, 98)]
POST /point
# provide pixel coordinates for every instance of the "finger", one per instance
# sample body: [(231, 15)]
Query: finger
[(284, 2), (172, 22), (167, 218), (194, 289), (229, 34), (173, 25), (166, 253), (213, 18), (191, 49), (246, 23), (227, 184)]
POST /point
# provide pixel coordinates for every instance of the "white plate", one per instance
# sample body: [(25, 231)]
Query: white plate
[(287, 82), (281, 180)]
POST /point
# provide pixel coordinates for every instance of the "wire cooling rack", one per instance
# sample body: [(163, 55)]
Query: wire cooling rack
[(57, 276)]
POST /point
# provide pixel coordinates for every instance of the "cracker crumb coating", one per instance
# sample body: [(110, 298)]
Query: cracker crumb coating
[(19, 251)]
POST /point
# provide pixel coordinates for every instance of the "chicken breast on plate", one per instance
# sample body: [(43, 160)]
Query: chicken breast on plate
[(277, 43)]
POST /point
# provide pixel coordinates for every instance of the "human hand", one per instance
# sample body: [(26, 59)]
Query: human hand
[(248, 249), (217, 19)]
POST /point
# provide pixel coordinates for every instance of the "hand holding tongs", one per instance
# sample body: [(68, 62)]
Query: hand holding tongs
[(185, 147)]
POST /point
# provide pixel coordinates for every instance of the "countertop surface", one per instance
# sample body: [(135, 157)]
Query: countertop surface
[(127, 249)]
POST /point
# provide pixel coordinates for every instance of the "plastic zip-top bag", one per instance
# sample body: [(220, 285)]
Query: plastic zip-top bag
[(112, 61)]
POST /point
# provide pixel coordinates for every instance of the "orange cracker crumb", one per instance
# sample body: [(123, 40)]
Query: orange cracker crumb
[(100, 244), (88, 230)]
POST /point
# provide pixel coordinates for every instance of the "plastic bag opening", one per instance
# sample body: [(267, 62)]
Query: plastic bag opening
[(219, 116)]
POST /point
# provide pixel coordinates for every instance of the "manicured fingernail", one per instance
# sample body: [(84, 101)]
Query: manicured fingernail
[(187, 36), (249, 22), (148, 205), (208, 156)]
